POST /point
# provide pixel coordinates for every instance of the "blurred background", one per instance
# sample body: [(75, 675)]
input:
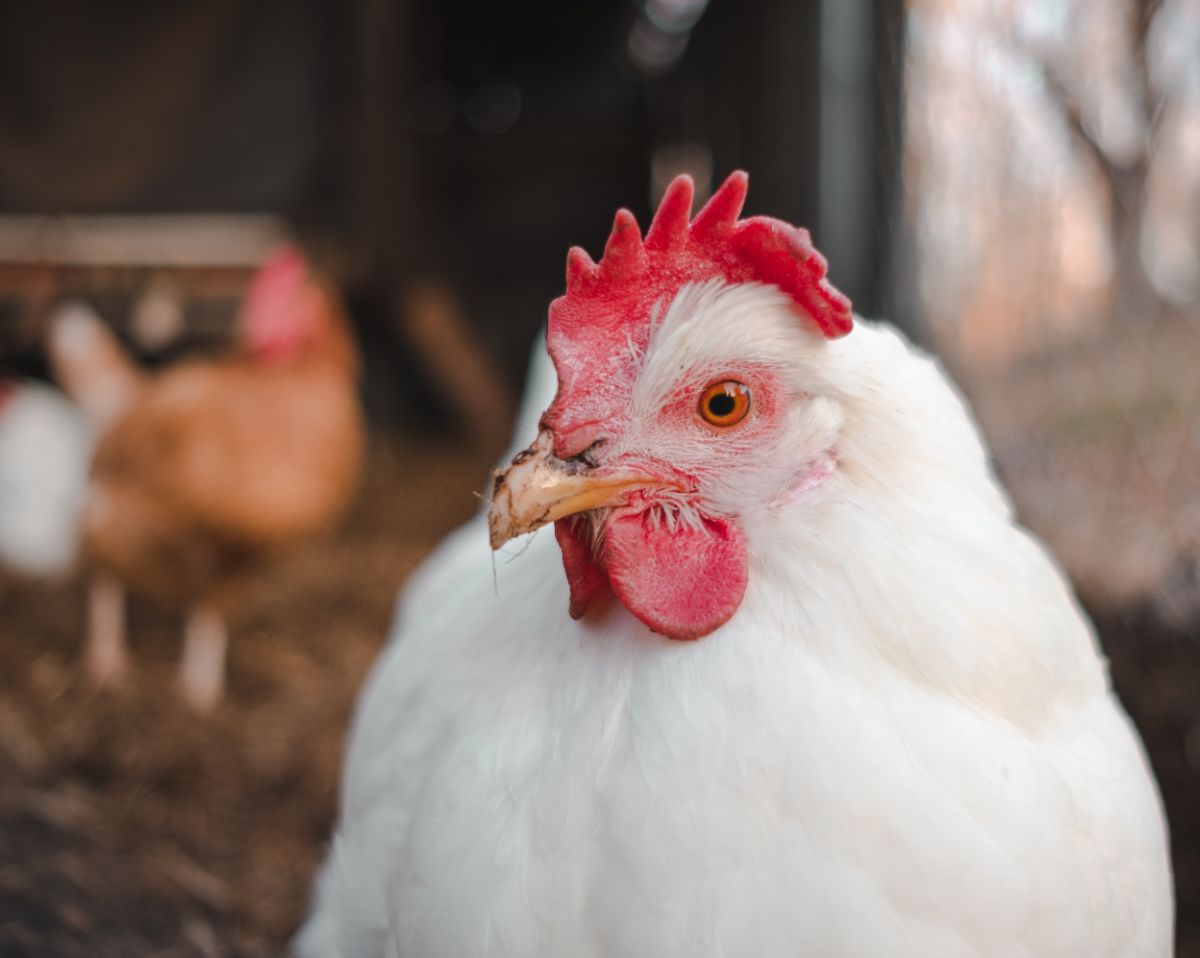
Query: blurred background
[(1016, 183)]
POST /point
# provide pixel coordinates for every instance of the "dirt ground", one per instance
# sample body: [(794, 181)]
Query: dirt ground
[(131, 827), (128, 826)]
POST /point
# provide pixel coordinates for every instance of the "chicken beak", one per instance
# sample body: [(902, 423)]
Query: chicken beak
[(539, 488)]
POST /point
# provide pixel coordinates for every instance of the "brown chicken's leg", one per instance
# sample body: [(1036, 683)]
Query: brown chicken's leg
[(105, 659), (202, 669)]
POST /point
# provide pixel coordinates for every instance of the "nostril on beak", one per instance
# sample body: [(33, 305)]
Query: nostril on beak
[(570, 442), (587, 456)]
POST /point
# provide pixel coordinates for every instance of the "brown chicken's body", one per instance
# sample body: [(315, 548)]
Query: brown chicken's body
[(215, 464), (206, 470)]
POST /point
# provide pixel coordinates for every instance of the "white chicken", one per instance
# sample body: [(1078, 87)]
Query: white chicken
[(45, 448), (894, 737)]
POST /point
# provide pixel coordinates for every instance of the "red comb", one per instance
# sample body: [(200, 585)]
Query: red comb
[(276, 280), (276, 319), (594, 329)]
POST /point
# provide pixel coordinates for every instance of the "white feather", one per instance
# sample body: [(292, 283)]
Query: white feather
[(902, 744), (45, 449)]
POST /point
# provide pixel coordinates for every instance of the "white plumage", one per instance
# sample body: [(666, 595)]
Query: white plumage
[(903, 743), (45, 449)]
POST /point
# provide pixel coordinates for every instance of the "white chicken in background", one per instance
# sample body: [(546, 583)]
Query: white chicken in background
[(45, 448), (894, 736)]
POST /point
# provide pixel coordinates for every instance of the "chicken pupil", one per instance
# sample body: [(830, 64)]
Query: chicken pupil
[(721, 405)]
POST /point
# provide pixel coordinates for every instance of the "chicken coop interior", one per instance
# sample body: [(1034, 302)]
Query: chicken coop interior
[(1014, 185)]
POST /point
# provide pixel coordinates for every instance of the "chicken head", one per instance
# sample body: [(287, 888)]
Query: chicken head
[(689, 408)]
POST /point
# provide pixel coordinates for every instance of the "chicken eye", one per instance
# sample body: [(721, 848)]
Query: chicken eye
[(725, 403)]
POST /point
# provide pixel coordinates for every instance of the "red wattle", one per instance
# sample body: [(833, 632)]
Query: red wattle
[(584, 574), (683, 583)]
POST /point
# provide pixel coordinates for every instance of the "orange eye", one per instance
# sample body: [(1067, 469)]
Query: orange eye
[(725, 403)]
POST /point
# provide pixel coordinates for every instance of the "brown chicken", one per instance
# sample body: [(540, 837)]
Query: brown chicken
[(203, 470)]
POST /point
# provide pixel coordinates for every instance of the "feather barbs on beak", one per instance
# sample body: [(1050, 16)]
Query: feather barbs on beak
[(539, 488)]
